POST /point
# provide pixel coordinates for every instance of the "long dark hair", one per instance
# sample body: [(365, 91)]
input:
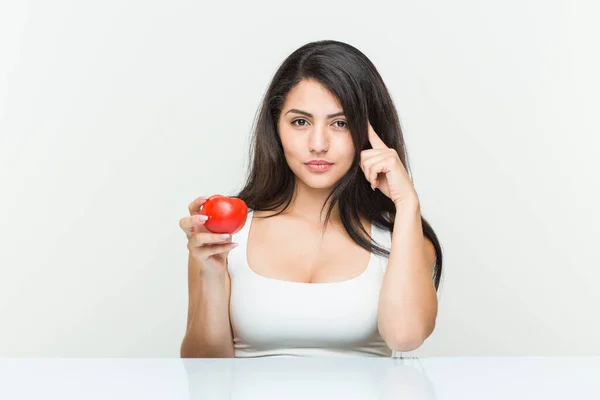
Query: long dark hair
[(349, 75)]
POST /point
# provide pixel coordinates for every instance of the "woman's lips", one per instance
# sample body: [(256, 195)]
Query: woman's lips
[(318, 167)]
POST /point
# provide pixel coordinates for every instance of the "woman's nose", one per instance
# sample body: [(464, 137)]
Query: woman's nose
[(318, 139)]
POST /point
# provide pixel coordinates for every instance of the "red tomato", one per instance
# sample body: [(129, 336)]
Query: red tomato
[(225, 214)]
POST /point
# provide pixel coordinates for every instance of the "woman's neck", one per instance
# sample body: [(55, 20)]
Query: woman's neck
[(308, 203)]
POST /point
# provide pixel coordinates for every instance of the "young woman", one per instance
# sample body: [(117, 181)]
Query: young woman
[(335, 257)]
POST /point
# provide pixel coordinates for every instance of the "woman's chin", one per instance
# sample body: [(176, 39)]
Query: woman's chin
[(318, 184)]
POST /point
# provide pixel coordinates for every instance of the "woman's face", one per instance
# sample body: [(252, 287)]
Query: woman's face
[(312, 126)]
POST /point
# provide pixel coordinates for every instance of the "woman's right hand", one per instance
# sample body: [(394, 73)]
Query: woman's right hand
[(209, 249)]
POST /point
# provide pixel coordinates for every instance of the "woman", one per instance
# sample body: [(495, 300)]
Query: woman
[(334, 258)]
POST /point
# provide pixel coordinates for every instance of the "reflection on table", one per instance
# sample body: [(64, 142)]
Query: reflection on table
[(308, 378)]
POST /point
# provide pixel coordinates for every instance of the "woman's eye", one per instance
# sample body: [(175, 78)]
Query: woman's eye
[(303, 122), (298, 120)]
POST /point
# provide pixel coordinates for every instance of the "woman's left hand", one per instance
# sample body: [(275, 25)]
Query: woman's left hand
[(384, 170)]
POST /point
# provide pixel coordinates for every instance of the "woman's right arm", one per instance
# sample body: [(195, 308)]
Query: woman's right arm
[(208, 329), (208, 332)]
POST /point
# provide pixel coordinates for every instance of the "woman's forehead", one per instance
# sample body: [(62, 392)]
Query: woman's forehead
[(312, 97)]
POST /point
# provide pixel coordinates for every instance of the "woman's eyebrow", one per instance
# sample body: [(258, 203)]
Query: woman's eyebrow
[(295, 110)]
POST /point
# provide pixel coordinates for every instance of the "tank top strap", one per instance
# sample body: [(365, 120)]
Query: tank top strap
[(242, 235), (381, 236), (236, 258)]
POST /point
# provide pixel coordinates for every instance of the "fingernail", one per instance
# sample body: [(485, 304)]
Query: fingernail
[(234, 245), (224, 236), (203, 217)]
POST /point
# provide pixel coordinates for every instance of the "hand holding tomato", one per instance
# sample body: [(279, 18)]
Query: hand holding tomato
[(210, 248)]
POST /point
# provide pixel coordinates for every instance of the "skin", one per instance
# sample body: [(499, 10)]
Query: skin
[(295, 236), (318, 137)]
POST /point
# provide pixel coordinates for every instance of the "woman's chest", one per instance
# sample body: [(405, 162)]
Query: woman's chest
[(304, 255)]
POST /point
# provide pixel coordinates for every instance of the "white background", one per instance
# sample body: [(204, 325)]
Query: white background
[(115, 115)]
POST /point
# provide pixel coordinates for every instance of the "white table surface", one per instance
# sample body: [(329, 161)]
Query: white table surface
[(302, 378)]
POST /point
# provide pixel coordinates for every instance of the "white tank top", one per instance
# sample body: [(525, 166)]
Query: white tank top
[(272, 317)]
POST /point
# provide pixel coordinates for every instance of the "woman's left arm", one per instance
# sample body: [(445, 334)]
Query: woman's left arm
[(408, 299)]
